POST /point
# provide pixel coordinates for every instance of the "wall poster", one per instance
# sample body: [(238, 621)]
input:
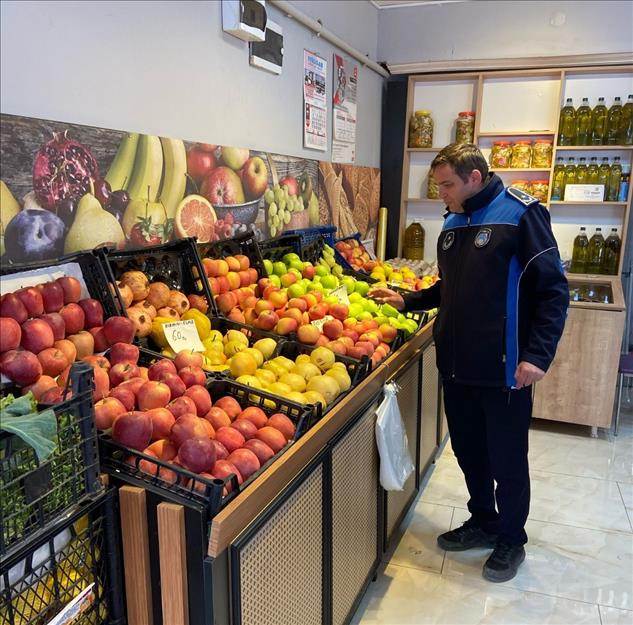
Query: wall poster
[(314, 102), (344, 103)]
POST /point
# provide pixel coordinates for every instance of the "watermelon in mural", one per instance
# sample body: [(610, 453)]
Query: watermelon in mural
[(68, 187)]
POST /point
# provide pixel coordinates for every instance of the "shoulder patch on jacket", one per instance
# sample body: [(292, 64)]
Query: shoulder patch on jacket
[(525, 198)]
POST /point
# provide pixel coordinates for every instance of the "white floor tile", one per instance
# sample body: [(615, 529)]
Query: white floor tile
[(562, 561), (613, 616), (417, 546), (626, 490), (407, 596), (446, 485)]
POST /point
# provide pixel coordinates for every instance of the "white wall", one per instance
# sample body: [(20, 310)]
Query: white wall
[(168, 68), (500, 29)]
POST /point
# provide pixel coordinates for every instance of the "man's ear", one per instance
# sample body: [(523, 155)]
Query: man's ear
[(476, 177)]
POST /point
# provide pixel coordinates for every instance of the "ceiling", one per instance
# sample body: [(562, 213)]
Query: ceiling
[(394, 4)]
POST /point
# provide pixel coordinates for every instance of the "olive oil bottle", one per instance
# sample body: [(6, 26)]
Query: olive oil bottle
[(580, 253), (611, 253), (583, 123), (604, 173), (599, 123), (595, 252), (582, 171), (614, 180), (593, 172), (613, 122), (570, 173), (567, 124), (625, 136), (558, 183)]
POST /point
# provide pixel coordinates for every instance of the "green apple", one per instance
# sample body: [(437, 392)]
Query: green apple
[(235, 157), (370, 306), (389, 311), (296, 290), (296, 273), (279, 268), (380, 319), (355, 309), (349, 283), (315, 286), (329, 281), (268, 266), (297, 265), (322, 270), (364, 316), (355, 297), (288, 258), (331, 299), (362, 287), (275, 279)]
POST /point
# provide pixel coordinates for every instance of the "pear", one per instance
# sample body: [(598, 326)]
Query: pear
[(9, 206), (93, 226), (142, 209)]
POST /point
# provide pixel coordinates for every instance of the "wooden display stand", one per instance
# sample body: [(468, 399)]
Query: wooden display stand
[(302, 543)]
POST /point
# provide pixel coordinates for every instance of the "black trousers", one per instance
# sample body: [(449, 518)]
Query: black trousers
[(489, 435)]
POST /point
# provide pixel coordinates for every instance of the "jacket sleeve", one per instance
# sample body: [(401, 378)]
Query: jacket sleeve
[(423, 300), (544, 285)]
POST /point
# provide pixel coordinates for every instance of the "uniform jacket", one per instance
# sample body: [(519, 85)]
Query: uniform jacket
[(503, 296)]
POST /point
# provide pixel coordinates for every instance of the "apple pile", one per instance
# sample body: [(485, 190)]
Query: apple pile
[(354, 252), (231, 280), (44, 329), (166, 411)]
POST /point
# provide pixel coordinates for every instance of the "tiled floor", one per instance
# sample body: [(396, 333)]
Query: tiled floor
[(579, 564)]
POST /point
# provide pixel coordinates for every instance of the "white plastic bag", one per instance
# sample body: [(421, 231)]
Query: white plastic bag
[(395, 460)]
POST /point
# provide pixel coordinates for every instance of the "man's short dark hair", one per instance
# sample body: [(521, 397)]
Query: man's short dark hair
[(463, 158)]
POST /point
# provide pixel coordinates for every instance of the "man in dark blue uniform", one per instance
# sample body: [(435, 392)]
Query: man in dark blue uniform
[(503, 299)]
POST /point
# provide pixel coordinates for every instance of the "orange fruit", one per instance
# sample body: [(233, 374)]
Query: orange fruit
[(195, 217)]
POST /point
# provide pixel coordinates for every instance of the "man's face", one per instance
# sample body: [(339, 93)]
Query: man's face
[(453, 190)]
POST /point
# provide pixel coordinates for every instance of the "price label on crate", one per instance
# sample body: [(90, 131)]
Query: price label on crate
[(320, 322), (183, 335), (341, 293), (73, 611)]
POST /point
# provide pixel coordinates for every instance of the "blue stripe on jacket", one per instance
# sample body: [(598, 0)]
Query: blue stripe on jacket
[(512, 321)]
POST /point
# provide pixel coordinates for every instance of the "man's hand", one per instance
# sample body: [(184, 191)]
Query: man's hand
[(387, 296), (527, 374)]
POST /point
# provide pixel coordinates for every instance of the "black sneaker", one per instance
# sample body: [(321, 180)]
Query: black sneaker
[(504, 562), (466, 537)]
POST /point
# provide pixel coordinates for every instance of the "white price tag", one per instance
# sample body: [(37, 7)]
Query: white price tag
[(183, 335), (341, 293), (320, 322), (71, 613)]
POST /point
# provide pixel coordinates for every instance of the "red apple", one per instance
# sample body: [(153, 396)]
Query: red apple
[(162, 422), (57, 324), (192, 375), (263, 452), (217, 418), (272, 437), (11, 306), (106, 412), (101, 342), (221, 452), (36, 335), (124, 352), (119, 330), (175, 384), (339, 311), (22, 367), (200, 397), (298, 303), (255, 177), (186, 427), (122, 372), (286, 325), (55, 396), (32, 300), (198, 302), (282, 423), (292, 184), (182, 406), (133, 429), (44, 383), (93, 310), (229, 405), (71, 287), (197, 454), (162, 366), (333, 329), (222, 186), (308, 334), (266, 320), (101, 382), (200, 162), (163, 449), (153, 394), (255, 415), (52, 295), (134, 384), (53, 361), (188, 358), (97, 361), (231, 438), (226, 301), (125, 396), (245, 427), (222, 469), (10, 334), (74, 318), (246, 462)]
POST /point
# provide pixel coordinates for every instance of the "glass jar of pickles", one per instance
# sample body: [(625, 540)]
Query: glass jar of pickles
[(521, 155), (522, 185), (501, 155), (432, 190), (542, 153), (539, 189), (465, 127), (421, 130)]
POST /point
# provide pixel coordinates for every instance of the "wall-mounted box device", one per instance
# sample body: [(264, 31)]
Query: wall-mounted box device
[(245, 19), (269, 54)]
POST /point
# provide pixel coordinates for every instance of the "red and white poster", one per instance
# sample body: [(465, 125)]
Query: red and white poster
[(314, 102), (344, 110)]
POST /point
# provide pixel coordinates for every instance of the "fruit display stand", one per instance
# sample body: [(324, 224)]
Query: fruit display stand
[(301, 543)]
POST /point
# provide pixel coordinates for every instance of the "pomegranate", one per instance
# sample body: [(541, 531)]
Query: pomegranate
[(63, 169)]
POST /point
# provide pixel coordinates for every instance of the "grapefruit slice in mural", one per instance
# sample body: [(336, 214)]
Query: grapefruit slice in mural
[(195, 217)]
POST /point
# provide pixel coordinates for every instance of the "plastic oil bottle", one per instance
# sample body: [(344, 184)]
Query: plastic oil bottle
[(593, 171), (614, 180), (625, 136), (611, 255), (567, 124), (613, 122), (595, 252), (604, 174), (414, 241), (583, 123), (582, 171), (580, 252), (599, 123), (570, 173), (558, 183)]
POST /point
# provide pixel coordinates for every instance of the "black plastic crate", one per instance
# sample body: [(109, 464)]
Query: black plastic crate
[(275, 249), (81, 550), (245, 244), (341, 260), (177, 264), (327, 233), (190, 489), (95, 274), (34, 495)]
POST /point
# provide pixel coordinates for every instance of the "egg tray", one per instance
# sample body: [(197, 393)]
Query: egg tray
[(245, 244), (177, 264), (190, 489), (94, 271), (35, 494)]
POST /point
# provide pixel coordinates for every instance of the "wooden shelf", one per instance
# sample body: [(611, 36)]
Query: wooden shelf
[(520, 169), (569, 203), (517, 133), (562, 148), (424, 149), (423, 199)]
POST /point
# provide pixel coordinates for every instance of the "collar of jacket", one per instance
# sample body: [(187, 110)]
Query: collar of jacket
[(494, 185)]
